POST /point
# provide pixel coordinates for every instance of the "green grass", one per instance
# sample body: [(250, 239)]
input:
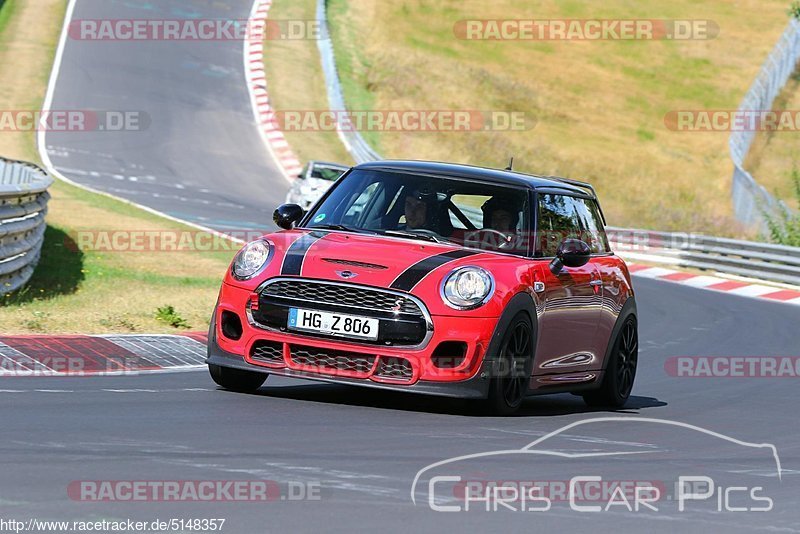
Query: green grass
[(6, 10), (91, 291), (296, 83), (167, 314), (785, 228), (599, 105)]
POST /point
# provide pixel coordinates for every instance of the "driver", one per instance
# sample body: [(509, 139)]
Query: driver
[(420, 208)]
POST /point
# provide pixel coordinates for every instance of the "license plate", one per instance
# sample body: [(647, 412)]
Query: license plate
[(333, 323)]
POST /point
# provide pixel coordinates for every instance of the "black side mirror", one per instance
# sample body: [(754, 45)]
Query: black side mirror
[(570, 253), (287, 215)]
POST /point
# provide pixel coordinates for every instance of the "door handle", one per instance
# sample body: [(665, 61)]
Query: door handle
[(596, 283)]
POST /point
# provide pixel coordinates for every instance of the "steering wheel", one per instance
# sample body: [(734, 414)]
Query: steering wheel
[(423, 231), (507, 239)]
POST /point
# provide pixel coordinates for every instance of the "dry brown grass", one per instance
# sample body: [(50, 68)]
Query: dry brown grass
[(296, 83), (27, 46), (774, 154), (89, 292), (600, 105)]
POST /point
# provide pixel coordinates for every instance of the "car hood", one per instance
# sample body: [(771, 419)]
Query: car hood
[(364, 259), (407, 265)]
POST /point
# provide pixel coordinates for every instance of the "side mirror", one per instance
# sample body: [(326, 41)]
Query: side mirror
[(570, 253), (287, 216)]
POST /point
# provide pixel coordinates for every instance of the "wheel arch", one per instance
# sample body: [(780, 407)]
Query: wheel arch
[(521, 302), (628, 310)]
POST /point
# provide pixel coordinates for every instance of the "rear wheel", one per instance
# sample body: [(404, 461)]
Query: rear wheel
[(515, 360), (236, 379), (621, 370)]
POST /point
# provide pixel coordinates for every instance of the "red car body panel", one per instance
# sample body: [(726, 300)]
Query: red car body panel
[(575, 312)]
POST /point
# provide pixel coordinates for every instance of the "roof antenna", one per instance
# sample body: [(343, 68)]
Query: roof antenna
[(510, 164)]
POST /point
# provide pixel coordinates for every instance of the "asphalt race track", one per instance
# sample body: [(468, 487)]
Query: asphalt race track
[(197, 153), (345, 459), (359, 450)]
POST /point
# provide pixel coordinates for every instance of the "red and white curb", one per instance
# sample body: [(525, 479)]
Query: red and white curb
[(715, 283), (257, 86), (80, 355)]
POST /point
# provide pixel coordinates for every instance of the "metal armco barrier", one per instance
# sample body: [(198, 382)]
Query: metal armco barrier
[(750, 198), (23, 205), (353, 142), (763, 261)]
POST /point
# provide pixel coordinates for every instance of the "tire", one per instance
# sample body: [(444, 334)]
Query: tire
[(236, 379), (620, 374), (509, 386)]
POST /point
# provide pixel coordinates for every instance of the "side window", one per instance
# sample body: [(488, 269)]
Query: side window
[(558, 220), (563, 217), (592, 229)]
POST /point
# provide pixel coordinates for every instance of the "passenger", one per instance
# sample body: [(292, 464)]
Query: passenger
[(501, 214)]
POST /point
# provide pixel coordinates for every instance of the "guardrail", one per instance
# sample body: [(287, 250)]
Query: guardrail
[(763, 261), (23, 206), (750, 198), (353, 142)]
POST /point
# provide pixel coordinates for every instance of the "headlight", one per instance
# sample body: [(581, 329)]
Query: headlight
[(251, 259), (467, 287)]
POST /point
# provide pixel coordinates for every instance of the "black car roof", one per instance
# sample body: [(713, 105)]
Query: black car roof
[(495, 176)]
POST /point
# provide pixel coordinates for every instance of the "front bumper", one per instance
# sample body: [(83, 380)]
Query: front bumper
[(476, 387), (469, 377)]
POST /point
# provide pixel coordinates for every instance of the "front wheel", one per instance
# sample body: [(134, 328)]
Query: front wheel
[(509, 386), (621, 370), (236, 379)]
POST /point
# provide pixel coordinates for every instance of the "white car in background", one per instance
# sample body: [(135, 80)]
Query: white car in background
[(313, 181)]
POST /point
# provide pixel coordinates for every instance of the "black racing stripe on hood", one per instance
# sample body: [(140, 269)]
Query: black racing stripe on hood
[(296, 253), (414, 274)]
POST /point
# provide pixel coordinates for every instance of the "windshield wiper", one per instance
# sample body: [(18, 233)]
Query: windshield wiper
[(340, 227), (413, 235), (333, 227)]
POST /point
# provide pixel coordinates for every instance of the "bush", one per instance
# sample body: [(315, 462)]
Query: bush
[(785, 228), (794, 9), (168, 315)]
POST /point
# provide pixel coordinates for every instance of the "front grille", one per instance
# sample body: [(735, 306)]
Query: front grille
[(341, 295), (267, 352), (332, 360), (394, 369), (351, 263)]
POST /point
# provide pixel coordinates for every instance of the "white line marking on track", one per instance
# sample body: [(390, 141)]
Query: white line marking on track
[(653, 272), (752, 291), (41, 138)]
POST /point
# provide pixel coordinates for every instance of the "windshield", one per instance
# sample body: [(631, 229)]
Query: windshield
[(461, 211), (330, 174)]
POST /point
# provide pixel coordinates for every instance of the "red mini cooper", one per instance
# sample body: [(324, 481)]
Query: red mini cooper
[(434, 278)]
